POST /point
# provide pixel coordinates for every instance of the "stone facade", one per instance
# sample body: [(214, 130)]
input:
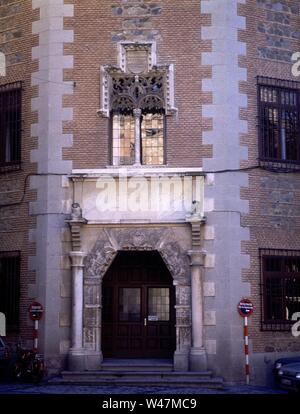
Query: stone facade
[(212, 52)]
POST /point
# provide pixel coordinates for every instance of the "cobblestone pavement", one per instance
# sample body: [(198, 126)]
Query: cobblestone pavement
[(21, 388)]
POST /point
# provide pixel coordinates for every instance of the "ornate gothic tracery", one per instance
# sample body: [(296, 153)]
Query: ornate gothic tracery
[(144, 92), (137, 96)]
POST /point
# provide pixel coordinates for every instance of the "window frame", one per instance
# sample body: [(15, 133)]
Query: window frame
[(111, 141), (278, 254), (13, 326), (111, 138), (164, 143), (279, 85), (11, 88)]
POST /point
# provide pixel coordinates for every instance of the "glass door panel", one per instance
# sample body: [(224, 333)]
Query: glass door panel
[(158, 304), (129, 304)]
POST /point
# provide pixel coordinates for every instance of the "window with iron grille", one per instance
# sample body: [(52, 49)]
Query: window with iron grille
[(10, 288), (10, 125), (279, 121), (280, 283)]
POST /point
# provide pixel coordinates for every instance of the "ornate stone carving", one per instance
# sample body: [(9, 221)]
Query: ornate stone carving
[(162, 240), (137, 57), (76, 213), (154, 90), (109, 242)]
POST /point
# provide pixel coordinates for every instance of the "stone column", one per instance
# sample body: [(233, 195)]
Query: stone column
[(76, 353), (137, 152), (198, 360), (197, 354)]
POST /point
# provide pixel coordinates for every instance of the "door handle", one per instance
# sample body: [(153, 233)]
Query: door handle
[(145, 321)]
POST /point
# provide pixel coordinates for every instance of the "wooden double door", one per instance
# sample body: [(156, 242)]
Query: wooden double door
[(138, 315)]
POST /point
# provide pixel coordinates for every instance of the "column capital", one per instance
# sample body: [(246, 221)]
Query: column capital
[(196, 257), (77, 258), (137, 112)]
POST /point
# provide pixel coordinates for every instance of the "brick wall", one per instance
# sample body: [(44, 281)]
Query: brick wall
[(15, 224), (272, 36), (176, 28)]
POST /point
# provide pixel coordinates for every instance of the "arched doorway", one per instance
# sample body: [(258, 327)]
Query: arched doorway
[(138, 315)]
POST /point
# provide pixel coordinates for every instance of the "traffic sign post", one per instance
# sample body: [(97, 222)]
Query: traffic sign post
[(36, 311), (245, 308)]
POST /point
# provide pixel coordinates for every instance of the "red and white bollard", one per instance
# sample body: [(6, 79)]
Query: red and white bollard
[(246, 338), (245, 308), (36, 335), (36, 311)]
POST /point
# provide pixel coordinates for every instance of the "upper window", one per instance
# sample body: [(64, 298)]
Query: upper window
[(138, 120), (279, 127), (10, 125), (137, 96), (281, 288), (10, 288)]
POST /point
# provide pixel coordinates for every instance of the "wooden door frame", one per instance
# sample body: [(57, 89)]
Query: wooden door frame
[(115, 284)]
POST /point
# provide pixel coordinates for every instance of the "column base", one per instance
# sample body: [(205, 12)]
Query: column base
[(198, 359), (83, 360), (76, 359), (181, 361), (93, 360)]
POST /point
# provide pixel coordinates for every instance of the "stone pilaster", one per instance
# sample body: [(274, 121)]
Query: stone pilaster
[(76, 353), (77, 357), (183, 327), (198, 359)]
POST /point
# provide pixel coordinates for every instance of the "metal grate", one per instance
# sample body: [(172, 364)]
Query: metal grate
[(10, 125), (10, 288), (280, 288), (279, 122)]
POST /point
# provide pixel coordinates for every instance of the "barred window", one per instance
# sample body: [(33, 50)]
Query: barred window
[(279, 126), (280, 288), (10, 125), (10, 288)]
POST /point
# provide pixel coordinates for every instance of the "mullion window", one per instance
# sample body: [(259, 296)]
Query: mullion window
[(137, 119)]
